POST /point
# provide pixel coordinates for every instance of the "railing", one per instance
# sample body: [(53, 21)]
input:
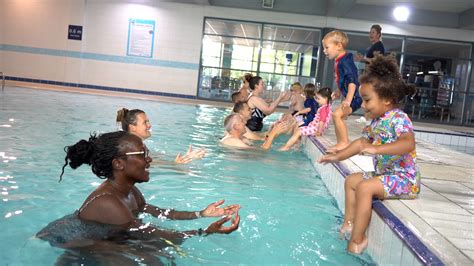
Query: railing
[(3, 80)]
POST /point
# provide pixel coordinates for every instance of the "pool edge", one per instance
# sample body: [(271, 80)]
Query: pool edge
[(420, 253)]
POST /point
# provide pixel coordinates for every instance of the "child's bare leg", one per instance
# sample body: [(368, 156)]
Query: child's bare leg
[(365, 191), (350, 185), (294, 138), (342, 135)]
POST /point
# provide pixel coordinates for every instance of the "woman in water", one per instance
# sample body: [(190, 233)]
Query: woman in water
[(109, 217), (136, 121)]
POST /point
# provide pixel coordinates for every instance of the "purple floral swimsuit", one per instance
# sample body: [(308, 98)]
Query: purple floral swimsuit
[(399, 174)]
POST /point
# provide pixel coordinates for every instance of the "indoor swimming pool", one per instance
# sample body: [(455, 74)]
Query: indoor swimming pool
[(287, 217)]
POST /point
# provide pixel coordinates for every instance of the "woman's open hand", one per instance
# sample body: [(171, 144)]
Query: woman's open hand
[(190, 155), (218, 226), (214, 209)]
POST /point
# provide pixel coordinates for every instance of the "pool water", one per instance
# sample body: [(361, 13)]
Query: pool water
[(287, 215)]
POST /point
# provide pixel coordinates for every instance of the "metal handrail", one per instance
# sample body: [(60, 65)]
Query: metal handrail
[(3, 80)]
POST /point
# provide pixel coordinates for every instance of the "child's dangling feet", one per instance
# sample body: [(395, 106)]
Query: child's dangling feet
[(346, 230), (357, 248)]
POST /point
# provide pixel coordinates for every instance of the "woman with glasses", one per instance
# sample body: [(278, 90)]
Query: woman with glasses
[(135, 121), (110, 214)]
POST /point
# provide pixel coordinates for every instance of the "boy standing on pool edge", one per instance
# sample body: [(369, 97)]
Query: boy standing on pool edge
[(345, 75)]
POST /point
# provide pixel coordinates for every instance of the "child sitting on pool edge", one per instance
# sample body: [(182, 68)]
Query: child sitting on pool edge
[(310, 105), (319, 123), (391, 139)]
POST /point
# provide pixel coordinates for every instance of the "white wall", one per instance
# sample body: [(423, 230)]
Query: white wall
[(43, 24)]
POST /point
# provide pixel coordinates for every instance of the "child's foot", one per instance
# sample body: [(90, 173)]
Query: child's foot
[(284, 148), (357, 249), (346, 231)]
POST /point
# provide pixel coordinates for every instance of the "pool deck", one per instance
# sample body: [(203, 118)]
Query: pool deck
[(442, 217)]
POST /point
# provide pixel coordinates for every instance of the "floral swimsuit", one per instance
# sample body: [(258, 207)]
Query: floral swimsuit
[(398, 173)]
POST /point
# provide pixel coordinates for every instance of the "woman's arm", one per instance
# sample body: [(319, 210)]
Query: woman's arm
[(263, 106), (212, 210), (151, 232)]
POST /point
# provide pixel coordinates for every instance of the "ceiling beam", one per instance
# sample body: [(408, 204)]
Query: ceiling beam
[(339, 8), (382, 14), (466, 19)]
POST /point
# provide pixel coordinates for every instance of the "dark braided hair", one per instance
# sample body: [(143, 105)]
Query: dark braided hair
[(98, 152), (383, 74), (127, 117)]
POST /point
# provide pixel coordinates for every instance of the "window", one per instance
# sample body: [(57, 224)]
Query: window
[(280, 54)]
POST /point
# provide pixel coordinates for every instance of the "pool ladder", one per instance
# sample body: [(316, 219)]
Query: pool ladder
[(3, 80)]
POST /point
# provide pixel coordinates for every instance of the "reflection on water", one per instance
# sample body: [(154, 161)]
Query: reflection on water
[(288, 217)]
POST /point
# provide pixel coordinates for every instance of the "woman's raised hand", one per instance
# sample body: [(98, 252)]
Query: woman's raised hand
[(190, 155), (285, 96), (218, 226), (214, 209)]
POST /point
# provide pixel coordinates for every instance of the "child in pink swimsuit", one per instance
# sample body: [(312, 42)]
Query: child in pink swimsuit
[(319, 123)]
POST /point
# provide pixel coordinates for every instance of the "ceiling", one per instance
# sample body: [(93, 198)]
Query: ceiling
[(436, 13)]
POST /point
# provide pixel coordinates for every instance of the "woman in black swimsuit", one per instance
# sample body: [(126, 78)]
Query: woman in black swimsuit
[(259, 107), (111, 211)]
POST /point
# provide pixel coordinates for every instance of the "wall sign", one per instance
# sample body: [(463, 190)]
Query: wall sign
[(141, 37), (74, 32)]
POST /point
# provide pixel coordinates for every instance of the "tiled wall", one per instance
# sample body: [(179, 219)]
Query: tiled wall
[(33, 42), (385, 247), (446, 138)]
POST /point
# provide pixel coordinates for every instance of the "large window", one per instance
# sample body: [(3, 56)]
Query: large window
[(283, 55), (280, 54), (439, 70)]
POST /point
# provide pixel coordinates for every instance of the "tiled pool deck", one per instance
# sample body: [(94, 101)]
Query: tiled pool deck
[(442, 217)]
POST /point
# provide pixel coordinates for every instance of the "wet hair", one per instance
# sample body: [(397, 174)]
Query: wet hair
[(229, 121), (326, 93), (236, 97), (247, 77), (127, 117), (377, 28), (337, 36), (296, 84), (98, 152), (239, 106), (309, 90), (254, 81), (383, 74)]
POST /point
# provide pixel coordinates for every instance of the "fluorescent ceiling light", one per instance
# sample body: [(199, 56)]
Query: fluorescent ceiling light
[(401, 13)]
